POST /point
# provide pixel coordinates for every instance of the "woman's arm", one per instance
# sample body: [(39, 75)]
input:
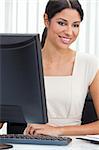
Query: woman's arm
[(90, 128), (94, 91)]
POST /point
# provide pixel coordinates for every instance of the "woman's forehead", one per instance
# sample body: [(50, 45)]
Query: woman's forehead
[(68, 14)]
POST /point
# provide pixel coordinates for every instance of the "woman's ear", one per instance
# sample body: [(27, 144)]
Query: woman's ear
[(46, 21)]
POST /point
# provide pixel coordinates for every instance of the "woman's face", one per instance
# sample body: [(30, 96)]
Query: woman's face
[(63, 28)]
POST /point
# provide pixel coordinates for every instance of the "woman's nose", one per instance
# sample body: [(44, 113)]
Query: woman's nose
[(68, 30)]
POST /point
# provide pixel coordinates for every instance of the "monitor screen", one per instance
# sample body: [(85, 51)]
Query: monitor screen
[(22, 93)]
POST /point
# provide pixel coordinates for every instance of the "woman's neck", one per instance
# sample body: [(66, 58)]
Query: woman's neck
[(55, 60), (53, 54)]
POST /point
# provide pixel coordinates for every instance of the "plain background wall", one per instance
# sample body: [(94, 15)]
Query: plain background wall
[(26, 16)]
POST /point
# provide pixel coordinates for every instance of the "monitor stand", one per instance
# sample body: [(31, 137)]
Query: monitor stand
[(5, 146)]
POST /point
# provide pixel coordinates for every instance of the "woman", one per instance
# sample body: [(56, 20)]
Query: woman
[(68, 74)]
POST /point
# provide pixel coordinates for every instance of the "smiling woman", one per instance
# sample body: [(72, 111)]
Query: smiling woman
[(68, 74)]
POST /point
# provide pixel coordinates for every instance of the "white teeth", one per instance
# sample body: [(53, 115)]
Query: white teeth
[(65, 40)]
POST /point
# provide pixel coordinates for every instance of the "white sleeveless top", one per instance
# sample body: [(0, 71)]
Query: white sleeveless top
[(66, 95)]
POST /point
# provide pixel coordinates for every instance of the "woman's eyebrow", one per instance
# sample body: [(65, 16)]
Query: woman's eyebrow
[(62, 19), (67, 20), (77, 21)]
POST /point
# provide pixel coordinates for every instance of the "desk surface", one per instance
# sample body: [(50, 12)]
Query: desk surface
[(76, 144)]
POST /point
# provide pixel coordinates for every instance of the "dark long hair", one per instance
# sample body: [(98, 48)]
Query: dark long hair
[(55, 6)]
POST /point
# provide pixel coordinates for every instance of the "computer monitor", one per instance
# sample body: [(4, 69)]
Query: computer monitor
[(22, 93)]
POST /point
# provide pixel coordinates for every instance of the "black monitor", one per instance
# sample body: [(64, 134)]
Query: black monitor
[(22, 93)]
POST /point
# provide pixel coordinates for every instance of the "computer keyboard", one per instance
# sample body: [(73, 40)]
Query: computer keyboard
[(35, 139)]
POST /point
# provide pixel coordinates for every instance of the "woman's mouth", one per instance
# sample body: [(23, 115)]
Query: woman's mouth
[(65, 40)]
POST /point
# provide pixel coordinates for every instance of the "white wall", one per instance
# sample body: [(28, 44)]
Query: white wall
[(26, 16)]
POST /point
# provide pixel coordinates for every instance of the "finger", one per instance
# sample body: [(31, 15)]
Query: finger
[(40, 131), (32, 131), (27, 130)]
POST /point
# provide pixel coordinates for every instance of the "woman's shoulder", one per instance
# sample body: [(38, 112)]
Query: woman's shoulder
[(89, 64), (88, 58)]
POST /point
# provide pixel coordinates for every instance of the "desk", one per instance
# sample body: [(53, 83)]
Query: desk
[(76, 144)]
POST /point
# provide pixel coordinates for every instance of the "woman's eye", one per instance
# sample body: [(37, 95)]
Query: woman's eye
[(76, 25), (61, 23)]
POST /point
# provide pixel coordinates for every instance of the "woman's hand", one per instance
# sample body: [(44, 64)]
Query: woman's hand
[(45, 129)]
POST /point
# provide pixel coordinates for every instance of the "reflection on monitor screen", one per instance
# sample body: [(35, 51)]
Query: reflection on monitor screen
[(22, 93)]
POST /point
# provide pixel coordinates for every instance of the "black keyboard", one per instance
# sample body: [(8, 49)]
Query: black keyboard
[(38, 139)]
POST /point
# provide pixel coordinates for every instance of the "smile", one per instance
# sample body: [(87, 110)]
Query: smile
[(65, 40)]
